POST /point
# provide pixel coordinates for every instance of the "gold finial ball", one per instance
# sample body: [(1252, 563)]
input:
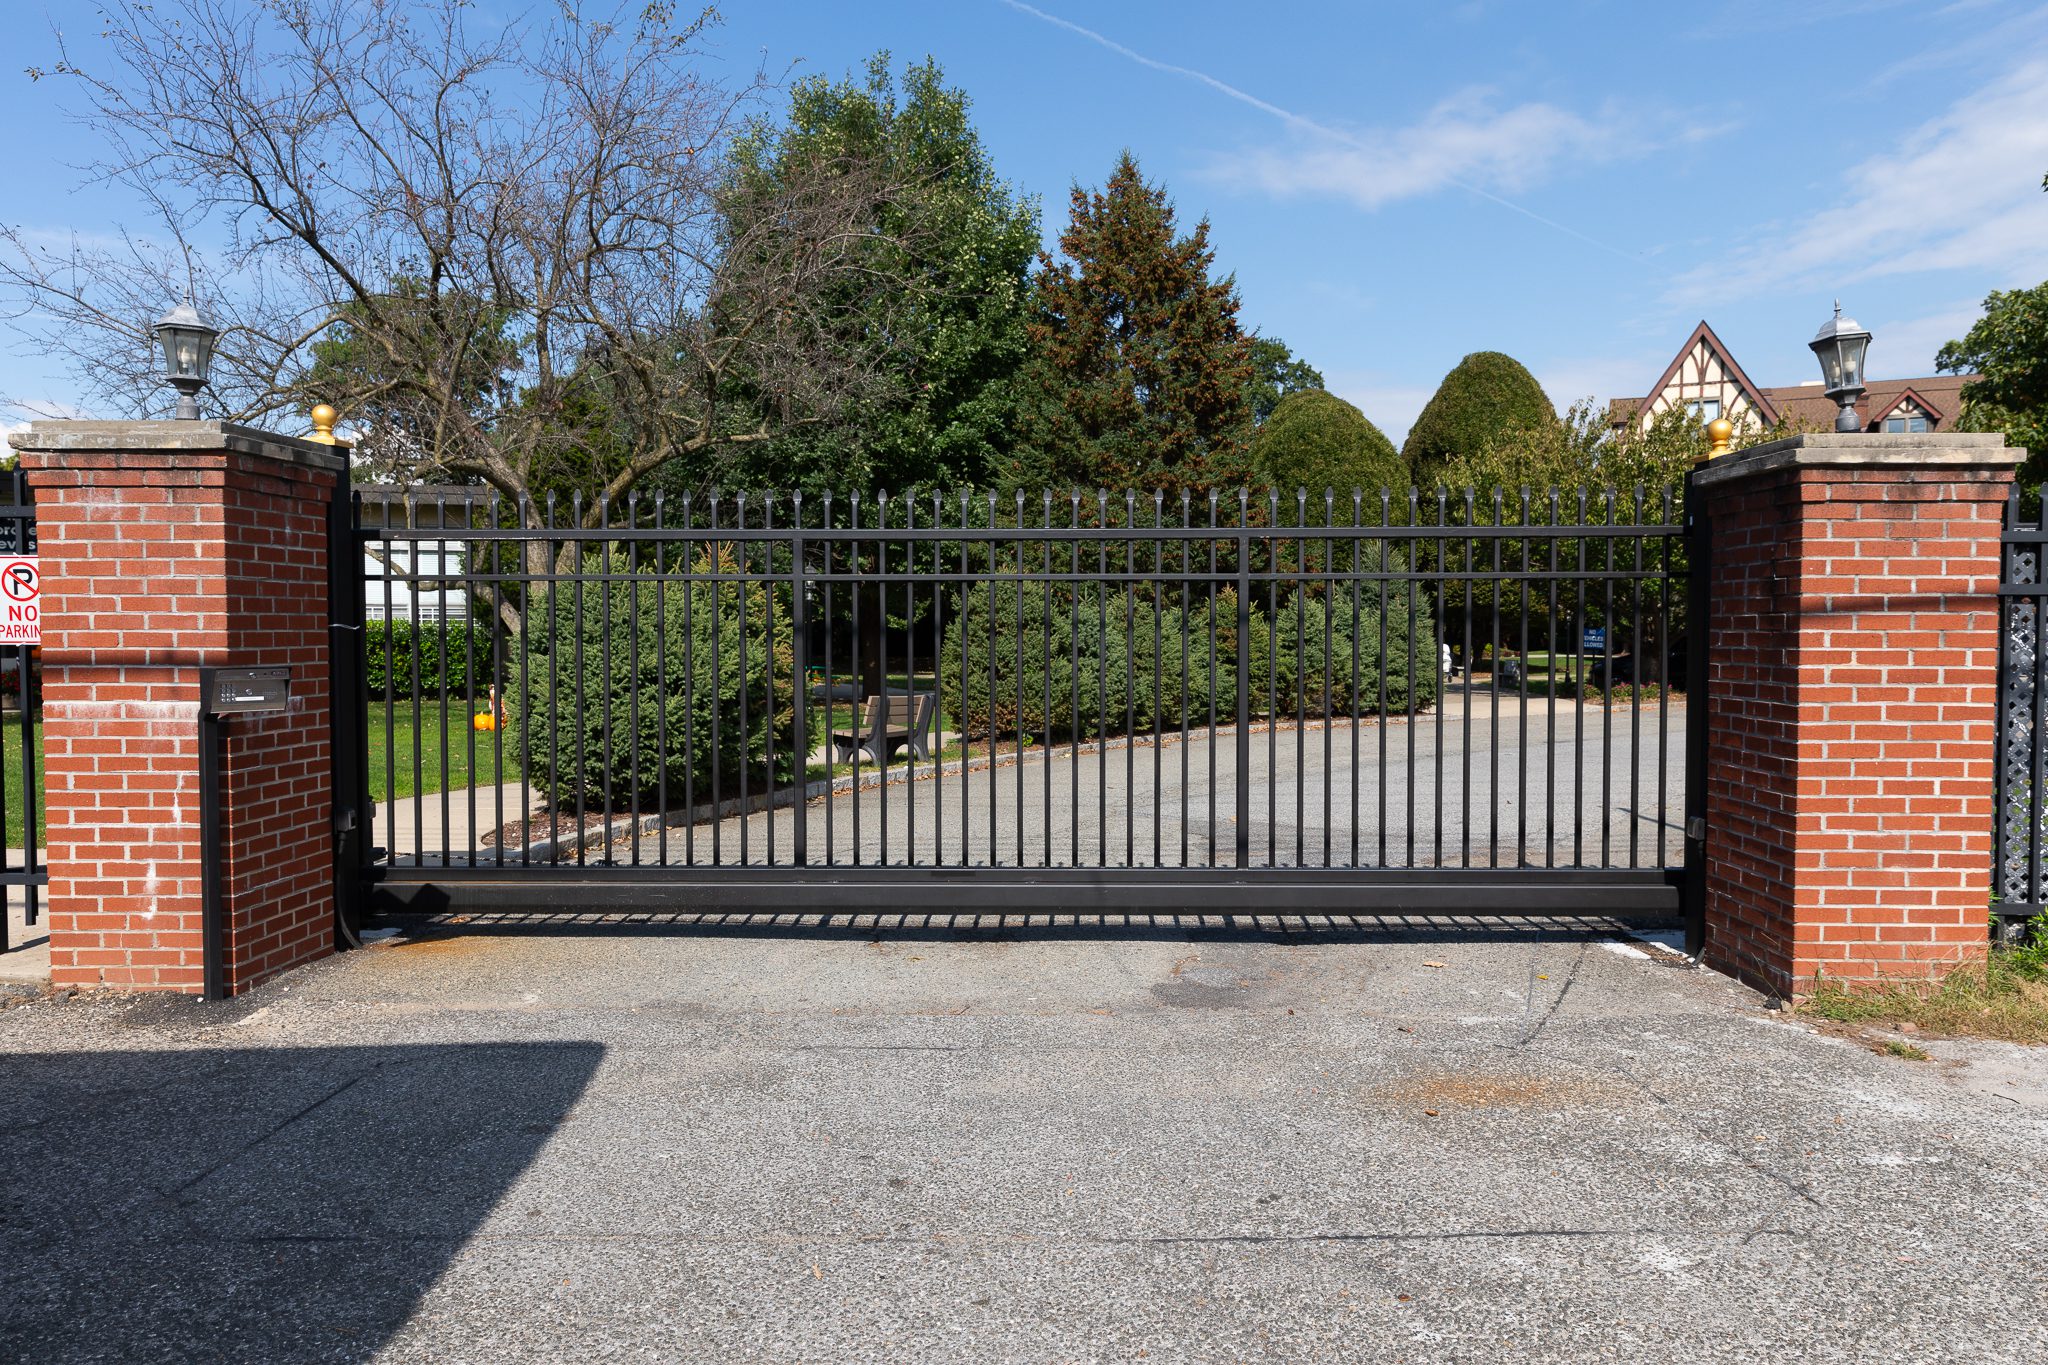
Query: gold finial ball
[(1721, 431), (323, 424)]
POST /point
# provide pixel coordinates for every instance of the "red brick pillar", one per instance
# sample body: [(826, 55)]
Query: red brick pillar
[(166, 546), (1853, 660)]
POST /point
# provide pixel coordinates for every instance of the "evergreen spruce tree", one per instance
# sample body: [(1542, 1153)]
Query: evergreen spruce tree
[(1140, 376)]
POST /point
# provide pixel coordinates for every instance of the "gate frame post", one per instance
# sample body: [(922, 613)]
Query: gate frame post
[(1244, 684), (349, 699), (1699, 601), (800, 664)]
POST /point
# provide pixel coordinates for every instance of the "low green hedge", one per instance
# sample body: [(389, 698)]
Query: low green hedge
[(1558, 685), (445, 654), (1064, 662)]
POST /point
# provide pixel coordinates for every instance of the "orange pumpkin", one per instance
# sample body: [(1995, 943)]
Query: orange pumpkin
[(484, 720)]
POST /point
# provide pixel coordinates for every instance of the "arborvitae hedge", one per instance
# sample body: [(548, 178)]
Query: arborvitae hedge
[(1060, 663), (566, 708), (445, 654)]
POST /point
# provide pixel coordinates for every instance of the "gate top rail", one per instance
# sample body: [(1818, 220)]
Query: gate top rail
[(488, 515)]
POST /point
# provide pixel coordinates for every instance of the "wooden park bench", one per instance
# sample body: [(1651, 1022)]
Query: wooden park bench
[(889, 724)]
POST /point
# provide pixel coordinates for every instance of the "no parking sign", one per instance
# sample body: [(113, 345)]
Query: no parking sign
[(21, 586)]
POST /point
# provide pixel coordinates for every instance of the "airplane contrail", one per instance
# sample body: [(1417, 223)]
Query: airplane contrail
[(1293, 119)]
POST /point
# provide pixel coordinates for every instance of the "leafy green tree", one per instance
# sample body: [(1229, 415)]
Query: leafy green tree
[(1582, 470), (1584, 451), (1486, 396), (957, 241), (2007, 349), (1139, 376), (1317, 441), (1277, 372)]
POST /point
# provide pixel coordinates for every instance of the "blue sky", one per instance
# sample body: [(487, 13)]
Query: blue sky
[(1575, 183)]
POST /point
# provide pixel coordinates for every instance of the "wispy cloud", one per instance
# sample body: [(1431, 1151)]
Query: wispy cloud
[(1962, 191), (1450, 149), (1961, 36), (1463, 140)]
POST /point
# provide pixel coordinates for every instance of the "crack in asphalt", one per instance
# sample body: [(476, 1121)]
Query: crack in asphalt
[(1677, 1118), (1557, 1002)]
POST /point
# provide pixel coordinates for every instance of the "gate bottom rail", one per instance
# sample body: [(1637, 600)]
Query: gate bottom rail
[(1505, 893)]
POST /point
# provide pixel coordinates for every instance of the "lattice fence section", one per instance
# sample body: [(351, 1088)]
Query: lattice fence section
[(2022, 828)]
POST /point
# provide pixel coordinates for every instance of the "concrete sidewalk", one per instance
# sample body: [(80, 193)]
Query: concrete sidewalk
[(27, 961), (831, 1140), (455, 821)]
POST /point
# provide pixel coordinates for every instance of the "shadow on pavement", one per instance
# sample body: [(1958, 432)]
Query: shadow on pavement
[(278, 1205), (934, 926)]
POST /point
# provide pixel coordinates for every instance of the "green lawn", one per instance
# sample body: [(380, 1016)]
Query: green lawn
[(11, 723), (430, 761), (393, 750), (1536, 661)]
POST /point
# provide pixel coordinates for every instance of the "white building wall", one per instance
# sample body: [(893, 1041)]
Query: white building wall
[(394, 592)]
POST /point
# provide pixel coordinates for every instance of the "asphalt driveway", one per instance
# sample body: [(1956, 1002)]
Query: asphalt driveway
[(939, 1139), (1479, 782)]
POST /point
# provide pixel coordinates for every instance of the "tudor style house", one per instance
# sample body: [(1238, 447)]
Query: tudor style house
[(1705, 379)]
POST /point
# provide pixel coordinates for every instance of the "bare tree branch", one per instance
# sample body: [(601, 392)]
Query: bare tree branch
[(503, 254)]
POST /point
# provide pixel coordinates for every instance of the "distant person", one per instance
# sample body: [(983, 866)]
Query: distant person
[(1448, 670)]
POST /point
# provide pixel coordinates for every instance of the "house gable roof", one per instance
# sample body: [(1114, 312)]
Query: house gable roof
[(1807, 406), (1934, 413), (1757, 398)]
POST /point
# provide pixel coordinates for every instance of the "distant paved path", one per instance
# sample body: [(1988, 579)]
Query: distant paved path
[(1460, 788)]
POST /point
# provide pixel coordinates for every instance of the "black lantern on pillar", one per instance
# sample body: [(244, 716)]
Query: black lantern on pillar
[(187, 344), (1841, 345)]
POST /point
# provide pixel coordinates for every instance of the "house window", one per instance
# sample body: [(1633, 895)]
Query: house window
[(1703, 410), (1908, 416)]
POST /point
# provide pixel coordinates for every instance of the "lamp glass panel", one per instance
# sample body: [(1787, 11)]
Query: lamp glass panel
[(1852, 359), (1830, 354), (187, 351)]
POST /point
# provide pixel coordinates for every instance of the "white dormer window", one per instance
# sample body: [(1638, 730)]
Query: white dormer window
[(1908, 416)]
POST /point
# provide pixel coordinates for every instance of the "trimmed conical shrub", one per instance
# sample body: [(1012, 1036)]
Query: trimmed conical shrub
[(1316, 441), (1485, 397)]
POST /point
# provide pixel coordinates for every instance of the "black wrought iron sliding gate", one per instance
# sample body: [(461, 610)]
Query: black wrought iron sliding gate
[(1070, 702)]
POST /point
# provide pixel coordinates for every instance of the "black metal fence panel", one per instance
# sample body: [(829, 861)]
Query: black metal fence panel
[(1044, 700), (2019, 883), (23, 874)]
